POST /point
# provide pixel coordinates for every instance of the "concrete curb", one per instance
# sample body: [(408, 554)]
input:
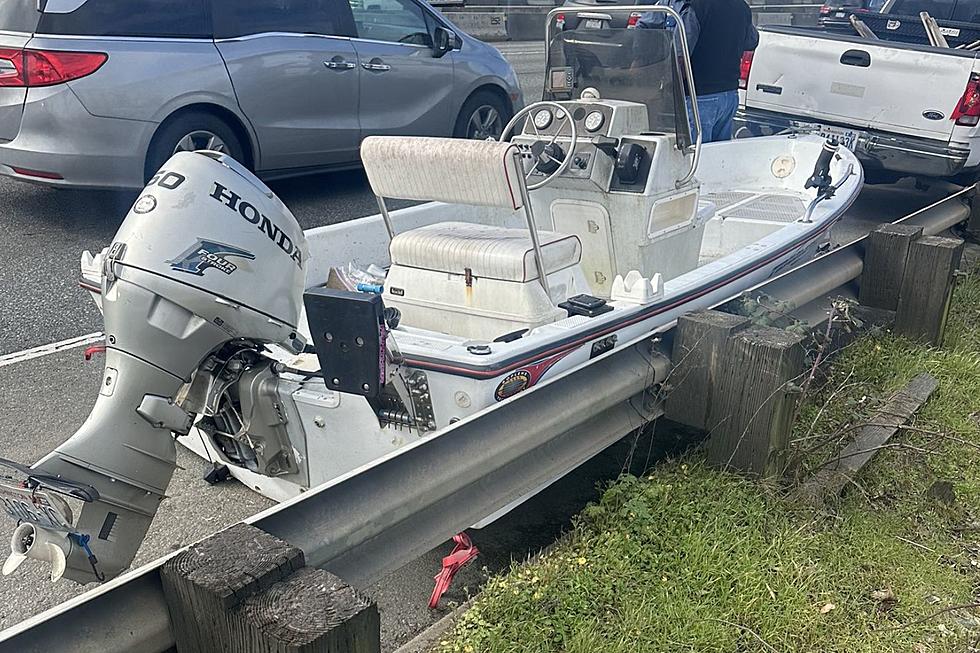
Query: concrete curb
[(426, 641)]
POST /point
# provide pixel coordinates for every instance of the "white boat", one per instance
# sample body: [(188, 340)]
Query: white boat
[(294, 358)]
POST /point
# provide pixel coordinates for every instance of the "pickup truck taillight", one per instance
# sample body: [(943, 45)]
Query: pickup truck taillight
[(744, 69), (967, 111), (824, 10), (30, 68)]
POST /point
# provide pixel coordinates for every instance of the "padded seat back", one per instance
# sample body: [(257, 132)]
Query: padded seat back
[(488, 252), (453, 170)]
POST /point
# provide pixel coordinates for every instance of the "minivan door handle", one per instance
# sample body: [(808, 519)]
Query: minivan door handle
[(858, 58), (339, 63), (376, 64)]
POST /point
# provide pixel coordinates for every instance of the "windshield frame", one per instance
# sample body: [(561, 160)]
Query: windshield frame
[(685, 57)]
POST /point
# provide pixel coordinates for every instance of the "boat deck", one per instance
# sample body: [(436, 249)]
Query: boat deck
[(753, 205)]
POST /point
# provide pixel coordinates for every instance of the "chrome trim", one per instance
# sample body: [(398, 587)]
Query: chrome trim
[(899, 148), (120, 39), (404, 45), (594, 16), (259, 35), (688, 73)]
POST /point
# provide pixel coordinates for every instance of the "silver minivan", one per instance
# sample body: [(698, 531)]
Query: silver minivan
[(99, 93)]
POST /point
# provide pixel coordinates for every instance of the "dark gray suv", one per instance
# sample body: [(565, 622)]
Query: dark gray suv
[(99, 93)]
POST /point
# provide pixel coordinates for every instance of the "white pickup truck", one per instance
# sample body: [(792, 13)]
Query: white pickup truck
[(904, 109)]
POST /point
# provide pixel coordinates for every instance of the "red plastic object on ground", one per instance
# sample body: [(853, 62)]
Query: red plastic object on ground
[(93, 350), (462, 554)]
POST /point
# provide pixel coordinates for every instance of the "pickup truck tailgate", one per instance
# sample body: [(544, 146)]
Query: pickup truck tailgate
[(864, 84)]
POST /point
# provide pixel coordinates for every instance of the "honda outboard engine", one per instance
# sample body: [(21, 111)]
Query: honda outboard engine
[(208, 263)]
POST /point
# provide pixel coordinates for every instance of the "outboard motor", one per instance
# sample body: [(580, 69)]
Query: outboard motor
[(208, 260)]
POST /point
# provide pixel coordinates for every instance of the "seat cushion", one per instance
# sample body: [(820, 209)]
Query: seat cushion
[(491, 252)]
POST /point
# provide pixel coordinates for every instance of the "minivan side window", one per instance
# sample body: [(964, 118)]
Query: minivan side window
[(153, 18), (234, 18), (18, 16), (394, 21)]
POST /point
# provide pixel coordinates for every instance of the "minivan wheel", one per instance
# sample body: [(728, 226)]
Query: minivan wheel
[(201, 139), (190, 132), (483, 116)]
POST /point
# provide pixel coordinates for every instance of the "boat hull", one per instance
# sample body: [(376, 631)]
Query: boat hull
[(336, 434)]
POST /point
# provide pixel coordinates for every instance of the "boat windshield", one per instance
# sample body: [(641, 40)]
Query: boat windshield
[(637, 65)]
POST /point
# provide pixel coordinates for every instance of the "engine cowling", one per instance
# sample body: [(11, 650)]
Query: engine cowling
[(207, 255)]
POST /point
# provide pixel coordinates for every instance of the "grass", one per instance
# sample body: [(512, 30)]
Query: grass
[(687, 558)]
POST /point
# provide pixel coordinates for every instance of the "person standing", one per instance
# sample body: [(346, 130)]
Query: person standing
[(718, 32)]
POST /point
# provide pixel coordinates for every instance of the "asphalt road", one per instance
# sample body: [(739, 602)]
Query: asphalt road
[(47, 398)]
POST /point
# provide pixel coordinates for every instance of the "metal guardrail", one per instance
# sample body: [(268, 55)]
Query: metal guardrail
[(385, 514)]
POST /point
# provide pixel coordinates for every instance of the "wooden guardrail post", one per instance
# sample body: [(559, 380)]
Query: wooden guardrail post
[(754, 400), (927, 287), (699, 343), (973, 223), (739, 383), (885, 258), (245, 591)]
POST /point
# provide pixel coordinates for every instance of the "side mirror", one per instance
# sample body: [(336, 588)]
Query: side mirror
[(443, 40)]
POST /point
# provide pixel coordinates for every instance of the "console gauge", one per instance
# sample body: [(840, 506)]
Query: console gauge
[(542, 119), (594, 121)]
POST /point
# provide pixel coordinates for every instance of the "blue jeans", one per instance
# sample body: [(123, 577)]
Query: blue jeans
[(717, 111)]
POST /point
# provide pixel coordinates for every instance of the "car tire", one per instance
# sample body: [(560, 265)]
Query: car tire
[(192, 131), (483, 115)]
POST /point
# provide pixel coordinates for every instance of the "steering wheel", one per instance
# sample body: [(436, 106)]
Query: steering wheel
[(544, 155)]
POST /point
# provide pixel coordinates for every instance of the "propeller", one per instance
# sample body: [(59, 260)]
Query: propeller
[(30, 541)]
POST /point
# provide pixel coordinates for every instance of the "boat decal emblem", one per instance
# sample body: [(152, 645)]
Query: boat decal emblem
[(145, 204), (527, 376), (207, 254), (512, 384)]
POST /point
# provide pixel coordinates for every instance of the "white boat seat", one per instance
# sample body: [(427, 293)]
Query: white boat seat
[(489, 252), (453, 170)]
